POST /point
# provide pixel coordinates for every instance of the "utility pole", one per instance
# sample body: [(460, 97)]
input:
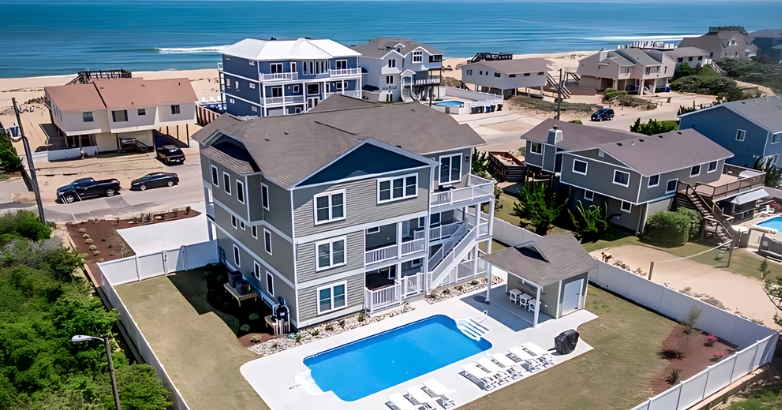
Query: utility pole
[(559, 94), (29, 155), (114, 388)]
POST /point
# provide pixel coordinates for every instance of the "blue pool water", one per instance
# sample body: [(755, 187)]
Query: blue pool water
[(449, 103), (369, 365), (775, 223)]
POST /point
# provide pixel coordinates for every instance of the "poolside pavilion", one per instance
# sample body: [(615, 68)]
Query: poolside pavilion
[(550, 273)]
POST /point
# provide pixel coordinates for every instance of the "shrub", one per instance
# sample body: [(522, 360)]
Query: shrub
[(691, 319), (298, 338), (695, 218), (342, 323), (23, 224), (667, 229), (329, 328), (315, 333), (577, 121), (85, 236), (82, 230), (673, 379), (611, 94), (590, 223), (88, 241), (96, 253), (362, 316), (256, 339), (9, 159), (474, 282), (244, 328), (537, 206), (253, 317), (92, 247), (711, 339), (653, 127)]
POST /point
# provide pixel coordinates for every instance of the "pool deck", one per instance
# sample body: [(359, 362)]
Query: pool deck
[(282, 380)]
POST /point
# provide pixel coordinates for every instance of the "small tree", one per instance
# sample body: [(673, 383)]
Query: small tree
[(773, 174), (523, 151), (691, 319), (590, 223), (537, 207), (576, 121), (8, 157), (695, 218), (480, 163), (763, 269), (653, 127), (684, 110), (773, 289), (667, 228)]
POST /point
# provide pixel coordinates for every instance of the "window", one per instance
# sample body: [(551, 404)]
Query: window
[(265, 196), (740, 134), (267, 241), (671, 186), (87, 116), (679, 60), (270, 283), (142, 112), (389, 79), (527, 74), (392, 63), (215, 178), (373, 230), (621, 178), (293, 67), (579, 167), (237, 257), (297, 110), (330, 207), (775, 137), (389, 97), (119, 116), (175, 109), (712, 166), (227, 183), (434, 220), (236, 85), (276, 91), (257, 270), (416, 262), (625, 70), (654, 180), (275, 68), (695, 171), (331, 298), (626, 207), (231, 101), (497, 75), (254, 108), (338, 85), (330, 253), (342, 64), (589, 195), (255, 232), (252, 85), (295, 88), (242, 225), (450, 168), (536, 148), (480, 72), (240, 191), (418, 56), (233, 222), (228, 82), (393, 189)]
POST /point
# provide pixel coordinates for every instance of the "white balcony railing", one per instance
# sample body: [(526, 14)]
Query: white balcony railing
[(354, 93), (413, 246), (381, 254), (377, 299), (442, 231), (345, 72), (288, 99), (477, 188), (464, 271), (280, 76), (412, 284)]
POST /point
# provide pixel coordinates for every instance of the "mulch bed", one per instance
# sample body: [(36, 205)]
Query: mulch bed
[(697, 356)]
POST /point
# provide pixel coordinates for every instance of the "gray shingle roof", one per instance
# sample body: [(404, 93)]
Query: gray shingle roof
[(765, 111), (619, 59), (515, 66), (380, 46), (289, 148), (545, 260), (576, 136), (767, 33), (638, 56), (686, 52)]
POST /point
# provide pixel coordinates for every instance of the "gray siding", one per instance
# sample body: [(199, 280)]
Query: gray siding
[(281, 258), (599, 178), (465, 165), (536, 160), (721, 124), (361, 204), (308, 297), (385, 236), (549, 300), (307, 254), (229, 200), (279, 213), (206, 170), (621, 218), (549, 157), (683, 175)]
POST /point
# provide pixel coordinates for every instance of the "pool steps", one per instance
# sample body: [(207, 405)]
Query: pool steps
[(472, 329)]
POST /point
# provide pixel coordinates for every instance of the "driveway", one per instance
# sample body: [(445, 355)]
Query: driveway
[(740, 294)]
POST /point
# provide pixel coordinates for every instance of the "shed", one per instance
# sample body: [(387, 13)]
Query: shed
[(553, 269)]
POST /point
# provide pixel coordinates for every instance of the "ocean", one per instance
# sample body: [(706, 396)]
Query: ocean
[(61, 37)]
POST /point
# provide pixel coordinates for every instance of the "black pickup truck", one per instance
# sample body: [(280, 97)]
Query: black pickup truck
[(85, 188)]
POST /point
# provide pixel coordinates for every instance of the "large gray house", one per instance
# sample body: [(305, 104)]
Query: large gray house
[(635, 175), (727, 42), (353, 205)]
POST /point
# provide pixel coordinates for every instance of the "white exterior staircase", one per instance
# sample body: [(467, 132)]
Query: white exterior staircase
[(453, 251)]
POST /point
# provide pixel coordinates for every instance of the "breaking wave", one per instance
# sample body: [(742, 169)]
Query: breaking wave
[(213, 49), (670, 37)]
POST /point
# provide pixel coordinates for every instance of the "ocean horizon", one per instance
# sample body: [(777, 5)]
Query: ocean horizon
[(43, 38)]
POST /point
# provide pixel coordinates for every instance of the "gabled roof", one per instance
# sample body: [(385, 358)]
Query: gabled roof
[(515, 66), (545, 260), (75, 97), (639, 56), (766, 112), (686, 52), (118, 93), (301, 49), (618, 58), (577, 136), (378, 47), (288, 149)]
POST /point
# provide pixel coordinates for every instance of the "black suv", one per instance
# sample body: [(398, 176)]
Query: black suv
[(603, 114), (171, 154)]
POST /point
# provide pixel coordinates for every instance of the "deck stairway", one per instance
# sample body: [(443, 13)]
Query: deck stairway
[(554, 84), (472, 329), (718, 223), (453, 251), (406, 94)]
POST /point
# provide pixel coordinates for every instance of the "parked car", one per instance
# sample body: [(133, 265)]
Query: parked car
[(155, 180), (603, 114), (171, 154), (85, 188)]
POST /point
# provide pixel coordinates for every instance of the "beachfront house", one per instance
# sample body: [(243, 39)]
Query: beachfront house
[(692, 56), (354, 205), (769, 43), (506, 76), (399, 69), (266, 78), (723, 42), (750, 129), (635, 175), (634, 70), (107, 115)]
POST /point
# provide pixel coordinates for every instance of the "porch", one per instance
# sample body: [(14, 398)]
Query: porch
[(477, 190), (387, 242), (733, 181)]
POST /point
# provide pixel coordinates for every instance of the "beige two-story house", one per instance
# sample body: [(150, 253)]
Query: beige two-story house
[(628, 69)]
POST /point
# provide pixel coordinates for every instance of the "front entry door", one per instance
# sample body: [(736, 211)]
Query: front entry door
[(572, 296), (312, 102)]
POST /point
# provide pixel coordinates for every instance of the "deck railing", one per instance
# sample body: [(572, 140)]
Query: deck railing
[(413, 246), (381, 254), (718, 192), (443, 231), (377, 299), (345, 72), (412, 285), (354, 93), (280, 76), (477, 188)]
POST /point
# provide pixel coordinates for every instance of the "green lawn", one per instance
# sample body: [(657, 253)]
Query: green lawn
[(617, 374), (612, 238)]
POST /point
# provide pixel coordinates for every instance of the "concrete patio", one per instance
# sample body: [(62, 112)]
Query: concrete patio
[(289, 386)]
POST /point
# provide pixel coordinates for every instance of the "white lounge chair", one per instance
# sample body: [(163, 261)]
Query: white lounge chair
[(416, 395), (439, 392), (522, 356), (478, 375), (398, 402), (512, 367), (541, 354), (499, 373)]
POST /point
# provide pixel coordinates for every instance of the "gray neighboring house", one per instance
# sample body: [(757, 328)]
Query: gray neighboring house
[(692, 56), (769, 43), (399, 69), (629, 69), (719, 42), (635, 175), (506, 77), (353, 205)]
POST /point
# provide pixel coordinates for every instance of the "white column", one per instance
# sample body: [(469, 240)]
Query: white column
[(474, 258), (488, 284), (478, 218), (263, 98), (491, 221), (537, 308), (398, 239)]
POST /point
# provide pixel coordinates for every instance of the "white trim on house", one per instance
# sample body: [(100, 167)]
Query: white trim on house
[(331, 278), (390, 181), (270, 284), (613, 180), (674, 188), (267, 241), (215, 175), (237, 256), (450, 167), (257, 271), (622, 207), (330, 207), (242, 99), (227, 184), (708, 167), (600, 193), (356, 228), (692, 170), (331, 243), (344, 285), (656, 184), (255, 256), (573, 153), (254, 229), (586, 166), (741, 135), (240, 191), (264, 224), (532, 147), (590, 197), (265, 200)]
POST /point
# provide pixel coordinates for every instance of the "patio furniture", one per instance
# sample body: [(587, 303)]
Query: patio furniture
[(540, 353), (531, 305), (522, 356), (398, 402), (238, 296), (419, 397), (499, 373), (479, 376), (524, 300), (514, 295), (512, 367), (439, 392)]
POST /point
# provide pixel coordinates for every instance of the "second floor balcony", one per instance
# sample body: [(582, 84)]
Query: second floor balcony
[(735, 180), (295, 76), (280, 76), (287, 99), (394, 240), (477, 190)]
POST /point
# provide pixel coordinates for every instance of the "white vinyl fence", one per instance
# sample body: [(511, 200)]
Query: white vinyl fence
[(139, 267), (757, 343)]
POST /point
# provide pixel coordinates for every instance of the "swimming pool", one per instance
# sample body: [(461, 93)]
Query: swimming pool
[(449, 103), (375, 363), (774, 223)]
